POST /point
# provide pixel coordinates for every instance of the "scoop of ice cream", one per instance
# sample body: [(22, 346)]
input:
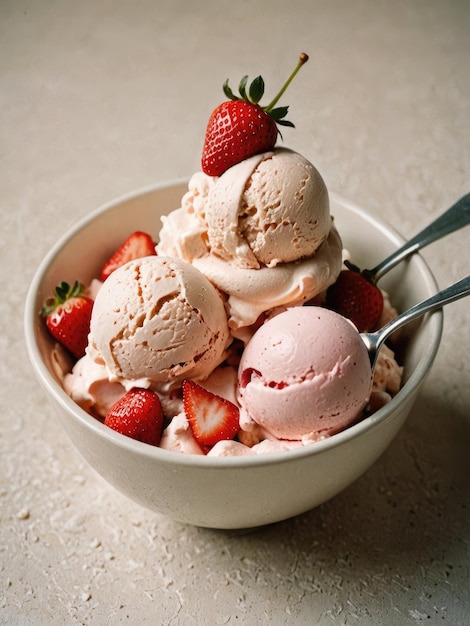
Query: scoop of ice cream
[(216, 232), (157, 320), (252, 292), (305, 371), (269, 209)]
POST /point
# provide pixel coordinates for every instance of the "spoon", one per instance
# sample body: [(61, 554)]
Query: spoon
[(374, 341), (453, 219)]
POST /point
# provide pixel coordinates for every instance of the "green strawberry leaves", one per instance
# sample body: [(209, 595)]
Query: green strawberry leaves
[(256, 92)]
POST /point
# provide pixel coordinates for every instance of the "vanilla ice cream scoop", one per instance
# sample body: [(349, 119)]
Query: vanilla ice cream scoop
[(262, 233), (304, 373), (269, 209), (157, 320)]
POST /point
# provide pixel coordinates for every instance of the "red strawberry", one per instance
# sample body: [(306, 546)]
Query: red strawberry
[(236, 131), (136, 246), (354, 297), (240, 127), (210, 417), (138, 414), (68, 315)]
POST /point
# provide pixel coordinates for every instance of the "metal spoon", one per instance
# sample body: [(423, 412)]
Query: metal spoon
[(454, 218), (374, 341)]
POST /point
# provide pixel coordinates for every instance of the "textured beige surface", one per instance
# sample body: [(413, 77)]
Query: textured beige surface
[(99, 98)]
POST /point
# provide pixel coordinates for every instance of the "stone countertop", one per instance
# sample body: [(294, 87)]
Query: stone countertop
[(100, 98)]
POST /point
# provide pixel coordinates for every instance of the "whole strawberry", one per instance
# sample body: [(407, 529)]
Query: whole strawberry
[(356, 298), (138, 414), (68, 315), (241, 127)]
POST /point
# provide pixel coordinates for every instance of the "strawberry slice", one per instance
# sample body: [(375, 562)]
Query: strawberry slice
[(138, 414), (136, 246), (354, 297), (240, 127), (68, 315), (210, 417)]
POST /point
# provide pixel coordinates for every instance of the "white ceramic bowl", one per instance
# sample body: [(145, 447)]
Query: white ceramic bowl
[(234, 492)]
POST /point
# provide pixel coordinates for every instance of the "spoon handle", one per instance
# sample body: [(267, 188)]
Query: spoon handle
[(374, 341), (454, 218)]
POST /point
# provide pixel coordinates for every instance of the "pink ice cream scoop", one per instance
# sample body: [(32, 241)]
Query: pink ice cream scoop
[(305, 372)]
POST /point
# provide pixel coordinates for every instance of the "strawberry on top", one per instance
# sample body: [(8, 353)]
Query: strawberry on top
[(241, 127)]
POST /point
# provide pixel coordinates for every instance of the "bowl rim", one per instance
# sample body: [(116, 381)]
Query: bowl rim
[(50, 384)]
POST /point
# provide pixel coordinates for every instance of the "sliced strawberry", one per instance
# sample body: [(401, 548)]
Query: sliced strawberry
[(210, 417), (241, 127), (354, 297), (136, 246), (138, 414), (68, 315)]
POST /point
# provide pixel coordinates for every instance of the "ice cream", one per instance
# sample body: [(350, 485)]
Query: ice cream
[(305, 371), (155, 321), (261, 232), (226, 323), (89, 385), (269, 209)]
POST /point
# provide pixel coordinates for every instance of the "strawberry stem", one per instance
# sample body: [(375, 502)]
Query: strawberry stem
[(63, 292), (302, 60), (352, 267)]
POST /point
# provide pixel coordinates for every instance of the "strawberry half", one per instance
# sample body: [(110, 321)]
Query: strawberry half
[(210, 417), (241, 127), (136, 246), (68, 315), (138, 414), (356, 298)]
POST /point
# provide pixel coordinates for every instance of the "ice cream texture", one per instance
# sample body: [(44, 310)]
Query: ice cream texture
[(155, 321), (304, 372), (262, 233), (269, 209)]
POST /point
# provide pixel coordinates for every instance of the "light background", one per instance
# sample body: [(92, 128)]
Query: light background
[(99, 98)]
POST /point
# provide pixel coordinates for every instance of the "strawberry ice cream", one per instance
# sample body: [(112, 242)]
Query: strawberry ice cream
[(157, 321), (304, 372), (269, 209), (261, 232)]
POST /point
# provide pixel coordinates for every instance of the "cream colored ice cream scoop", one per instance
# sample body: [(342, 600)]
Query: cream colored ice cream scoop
[(269, 209), (157, 320)]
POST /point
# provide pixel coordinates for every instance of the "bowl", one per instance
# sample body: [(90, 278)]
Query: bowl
[(237, 492)]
